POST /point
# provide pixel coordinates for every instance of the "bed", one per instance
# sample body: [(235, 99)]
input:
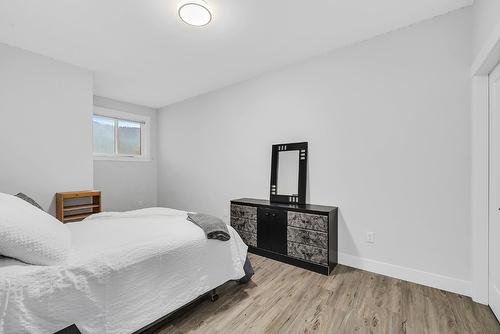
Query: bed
[(125, 271)]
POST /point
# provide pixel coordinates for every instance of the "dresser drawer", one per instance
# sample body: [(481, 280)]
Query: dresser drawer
[(308, 253), (308, 221), (243, 211), (308, 237), (249, 238), (244, 224)]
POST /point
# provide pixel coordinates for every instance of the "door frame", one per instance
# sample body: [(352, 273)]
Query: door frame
[(483, 65), (493, 294)]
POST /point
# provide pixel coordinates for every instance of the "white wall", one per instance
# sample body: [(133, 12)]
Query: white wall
[(46, 135), (45, 126), (128, 185), (486, 18), (387, 123)]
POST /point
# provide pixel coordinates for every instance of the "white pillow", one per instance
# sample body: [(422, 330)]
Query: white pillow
[(30, 234)]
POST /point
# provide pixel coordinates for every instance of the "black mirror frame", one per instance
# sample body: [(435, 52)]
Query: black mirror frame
[(303, 151)]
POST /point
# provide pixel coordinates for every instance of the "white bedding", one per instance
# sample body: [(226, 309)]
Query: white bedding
[(125, 271)]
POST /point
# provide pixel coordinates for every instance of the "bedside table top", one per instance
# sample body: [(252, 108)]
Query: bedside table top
[(83, 193)]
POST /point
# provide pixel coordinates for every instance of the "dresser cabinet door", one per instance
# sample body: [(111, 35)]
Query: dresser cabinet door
[(271, 230)]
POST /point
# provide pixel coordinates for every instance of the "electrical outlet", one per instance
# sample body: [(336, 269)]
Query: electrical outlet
[(370, 237)]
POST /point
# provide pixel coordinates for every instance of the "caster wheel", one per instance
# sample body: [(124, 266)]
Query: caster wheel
[(214, 297)]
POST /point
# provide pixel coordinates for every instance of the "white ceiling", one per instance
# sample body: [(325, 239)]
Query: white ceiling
[(141, 52)]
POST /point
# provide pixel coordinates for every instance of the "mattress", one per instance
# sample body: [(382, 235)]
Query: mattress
[(125, 271)]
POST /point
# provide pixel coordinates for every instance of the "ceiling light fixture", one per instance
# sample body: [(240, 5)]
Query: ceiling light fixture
[(194, 12)]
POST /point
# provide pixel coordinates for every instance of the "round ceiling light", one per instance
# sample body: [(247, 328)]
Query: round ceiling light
[(194, 12)]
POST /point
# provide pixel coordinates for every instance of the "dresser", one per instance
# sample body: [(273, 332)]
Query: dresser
[(301, 235)]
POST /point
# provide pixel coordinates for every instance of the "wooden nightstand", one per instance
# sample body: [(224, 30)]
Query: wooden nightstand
[(76, 205)]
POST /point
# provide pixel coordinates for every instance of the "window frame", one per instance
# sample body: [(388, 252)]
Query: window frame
[(118, 115)]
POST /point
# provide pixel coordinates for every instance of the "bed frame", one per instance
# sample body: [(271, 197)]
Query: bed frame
[(155, 325)]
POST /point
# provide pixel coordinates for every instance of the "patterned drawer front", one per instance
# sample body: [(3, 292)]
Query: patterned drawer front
[(307, 220), (309, 253), (244, 224), (308, 237), (248, 238), (243, 211)]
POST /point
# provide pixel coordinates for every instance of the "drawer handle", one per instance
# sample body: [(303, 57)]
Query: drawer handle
[(274, 215), (267, 213)]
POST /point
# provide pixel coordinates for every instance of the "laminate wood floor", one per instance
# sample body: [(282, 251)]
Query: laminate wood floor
[(285, 299)]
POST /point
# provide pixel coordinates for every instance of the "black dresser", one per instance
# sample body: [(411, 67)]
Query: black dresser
[(302, 235)]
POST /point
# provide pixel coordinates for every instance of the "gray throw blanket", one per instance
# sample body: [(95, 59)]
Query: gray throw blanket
[(213, 227)]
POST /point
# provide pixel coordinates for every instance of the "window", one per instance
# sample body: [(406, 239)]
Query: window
[(119, 136)]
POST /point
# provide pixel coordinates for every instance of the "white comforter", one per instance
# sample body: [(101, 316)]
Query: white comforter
[(125, 271)]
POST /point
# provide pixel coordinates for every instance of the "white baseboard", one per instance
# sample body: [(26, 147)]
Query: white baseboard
[(408, 274)]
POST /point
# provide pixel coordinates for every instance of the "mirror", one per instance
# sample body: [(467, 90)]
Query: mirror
[(288, 173)]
